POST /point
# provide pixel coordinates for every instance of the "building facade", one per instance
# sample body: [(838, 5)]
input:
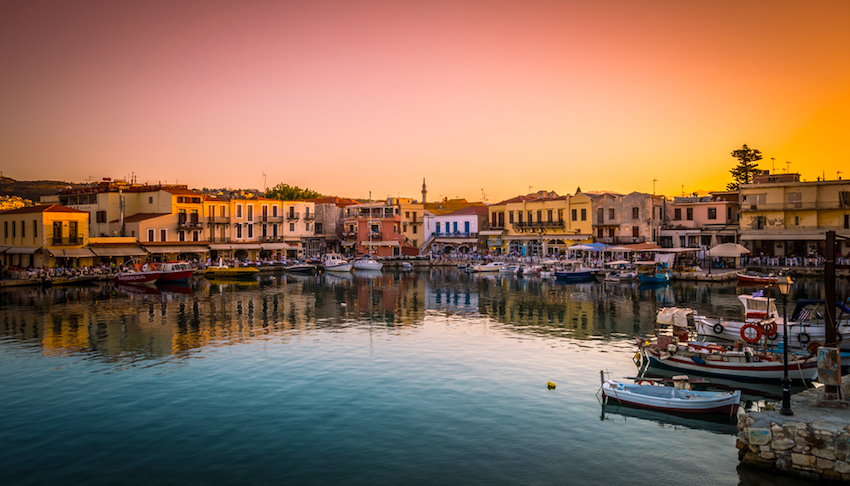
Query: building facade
[(620, 219), (45, 236)]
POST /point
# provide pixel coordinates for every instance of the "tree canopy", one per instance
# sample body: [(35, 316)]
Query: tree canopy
[(745, 170), (286, 192)]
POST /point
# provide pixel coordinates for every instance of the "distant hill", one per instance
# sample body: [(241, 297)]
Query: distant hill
[(33, 190)]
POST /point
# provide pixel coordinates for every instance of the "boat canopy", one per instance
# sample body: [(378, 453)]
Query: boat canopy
[(802, 303), (677, 316), (619, 262)]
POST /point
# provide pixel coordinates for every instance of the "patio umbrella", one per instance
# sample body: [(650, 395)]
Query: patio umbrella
[(728, 250)]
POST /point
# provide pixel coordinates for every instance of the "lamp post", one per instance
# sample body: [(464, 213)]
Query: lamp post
[(784, 283)]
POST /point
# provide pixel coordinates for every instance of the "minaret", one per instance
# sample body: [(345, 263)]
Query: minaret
[(424, 191)]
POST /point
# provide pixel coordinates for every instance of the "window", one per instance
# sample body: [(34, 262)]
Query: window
[(847, 221), (416, 243), (795, 200), (23, 229), (274, 211), (238, 210), (529, 217), (181, 236), (454, 227), (574, 218), (611, 214), (561, 215), (318, 228), (414, 230), (150, 200), (844, 199), (610, 232), (238, 231), (600, 216), (501, 220), (150, 235), (690, 214), (250, 212), (677, 214), (584, 214), (760, 222), (796, 221), (100, 217), (511, 216), (519, 217), (57, 229), (636, 212), (712, 213), (407, 214), (466, 227), (5, 229), (540, 216), (636, 231), (221, 211), (34, 229), (292, 227), (599, 232), (196, 236), (437, 226), (14, 231), (307, 227), (250, 229), (163, 235)]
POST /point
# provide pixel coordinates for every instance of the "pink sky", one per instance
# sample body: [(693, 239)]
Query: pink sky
[(348, 97)]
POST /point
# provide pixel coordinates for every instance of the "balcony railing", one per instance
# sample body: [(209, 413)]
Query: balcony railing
[(189, 225), (349, 234), (292, 216), (621, 240), (795, 206), (456, 234), (218, 219), (309, 216), (539, 224), (271, 239), (268, 218), (67, 240), (219, 239)]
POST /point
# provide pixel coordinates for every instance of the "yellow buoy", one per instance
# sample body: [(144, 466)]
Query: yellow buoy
[(551, 385)]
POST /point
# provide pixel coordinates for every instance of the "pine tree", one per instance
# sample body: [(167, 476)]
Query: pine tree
[(745, 170)]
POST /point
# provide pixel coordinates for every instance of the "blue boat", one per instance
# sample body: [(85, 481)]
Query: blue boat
[(654, 278), (574, 272)]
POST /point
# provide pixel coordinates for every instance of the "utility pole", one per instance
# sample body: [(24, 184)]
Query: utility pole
[(773, 164), (653, 186), (788, 166)]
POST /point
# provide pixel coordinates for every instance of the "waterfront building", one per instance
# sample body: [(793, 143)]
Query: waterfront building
[(701, 221), (620, 219), (539, 224), (378, 226), (44, 236), (412, 216), (456, 232), (784, 216), (329, 224)]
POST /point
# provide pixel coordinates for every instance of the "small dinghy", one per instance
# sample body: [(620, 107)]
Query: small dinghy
[(672, 399)]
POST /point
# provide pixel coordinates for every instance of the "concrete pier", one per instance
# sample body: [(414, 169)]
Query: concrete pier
[(814, 443)]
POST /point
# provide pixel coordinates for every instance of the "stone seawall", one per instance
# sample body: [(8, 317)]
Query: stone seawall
[(814, 443)]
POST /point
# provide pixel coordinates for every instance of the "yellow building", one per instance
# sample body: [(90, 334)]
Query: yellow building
[(412, 220), (45, 236), (784, 216), (539, 224)]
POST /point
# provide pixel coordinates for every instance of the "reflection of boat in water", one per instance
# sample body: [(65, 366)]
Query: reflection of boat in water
[(223, 271), (369, 274), (235, 281), (138, 289), (718, 424), (749, 390), (176, 288)]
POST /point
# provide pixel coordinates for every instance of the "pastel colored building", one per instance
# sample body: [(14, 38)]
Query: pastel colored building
[(44, 236)]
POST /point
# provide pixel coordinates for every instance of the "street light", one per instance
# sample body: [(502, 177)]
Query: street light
[(784, 283)]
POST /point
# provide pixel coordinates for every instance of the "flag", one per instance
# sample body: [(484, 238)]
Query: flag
[(758, 293)]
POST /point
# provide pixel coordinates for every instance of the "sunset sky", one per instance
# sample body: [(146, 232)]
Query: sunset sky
[(347, 97)]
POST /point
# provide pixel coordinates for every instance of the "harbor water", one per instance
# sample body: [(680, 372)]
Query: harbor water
[(425, 377)]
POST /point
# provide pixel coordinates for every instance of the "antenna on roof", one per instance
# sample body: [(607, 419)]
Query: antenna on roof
[(653, 186)]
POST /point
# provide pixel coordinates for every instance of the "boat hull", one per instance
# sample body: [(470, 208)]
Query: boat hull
[(669, 399), (657, 278), (344, 267), (754, 279), (748, 371), (367, 265), (137, 277), (175, 276), (575, 276)]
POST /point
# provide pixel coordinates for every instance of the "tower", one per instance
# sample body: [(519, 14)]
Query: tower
[(424, 191)]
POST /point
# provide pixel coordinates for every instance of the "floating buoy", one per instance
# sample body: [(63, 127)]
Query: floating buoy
[(551, 385)]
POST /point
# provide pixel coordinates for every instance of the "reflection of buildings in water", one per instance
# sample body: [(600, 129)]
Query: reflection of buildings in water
[(393, 298)]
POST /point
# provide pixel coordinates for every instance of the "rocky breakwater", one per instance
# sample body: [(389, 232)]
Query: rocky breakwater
[(814, 443)]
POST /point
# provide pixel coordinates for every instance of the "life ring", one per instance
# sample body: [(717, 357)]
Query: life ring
[(813, 346), (804, 338), (718, 328), (769, 329), (747, 327), (644, 382)]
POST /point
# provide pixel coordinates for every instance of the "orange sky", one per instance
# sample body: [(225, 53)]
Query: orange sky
[(347, 97)]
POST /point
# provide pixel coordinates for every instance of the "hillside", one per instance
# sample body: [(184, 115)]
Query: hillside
[(32, 190)]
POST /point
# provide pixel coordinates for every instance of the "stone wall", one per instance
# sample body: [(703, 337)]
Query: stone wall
[(814, 443)]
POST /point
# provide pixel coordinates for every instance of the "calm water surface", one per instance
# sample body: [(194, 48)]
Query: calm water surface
[(432, 377)]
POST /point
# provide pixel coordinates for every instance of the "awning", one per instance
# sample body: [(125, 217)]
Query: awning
[(4, 248), (727, 250), (275, 246), (349, 243), (176, 249), (70, 252), (220, 247), (247, 246), (17, 250), (120, 251), (784, 237), (491, 232), (380, 243), (456, 240)]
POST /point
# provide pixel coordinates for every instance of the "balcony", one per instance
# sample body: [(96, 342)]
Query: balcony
[(211, 220), (349, 234), (795, 206), (266, 218), (539, 224), (293, 216), (219, 239), (456, 234), (309, 216), (271, 239), (190, 225), (67, 241), (621, 240)]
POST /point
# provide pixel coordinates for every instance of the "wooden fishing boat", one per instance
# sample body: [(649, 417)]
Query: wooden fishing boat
[(174, 272), (756, 278), (672, 399), (138, 276), (711, 359), (575, 272)]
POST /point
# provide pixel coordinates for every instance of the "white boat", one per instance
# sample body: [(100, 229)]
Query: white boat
[(300, 268), (621, 272), (530, 270), (336, 263), (672, 399), (514, 269), (367, 264), (487, 267), (406, 266)]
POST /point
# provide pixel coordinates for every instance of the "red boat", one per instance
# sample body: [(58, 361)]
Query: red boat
[(173, 272), (756, 278)]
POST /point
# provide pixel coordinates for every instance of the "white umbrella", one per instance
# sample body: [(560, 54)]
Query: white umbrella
[(728, 250)]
